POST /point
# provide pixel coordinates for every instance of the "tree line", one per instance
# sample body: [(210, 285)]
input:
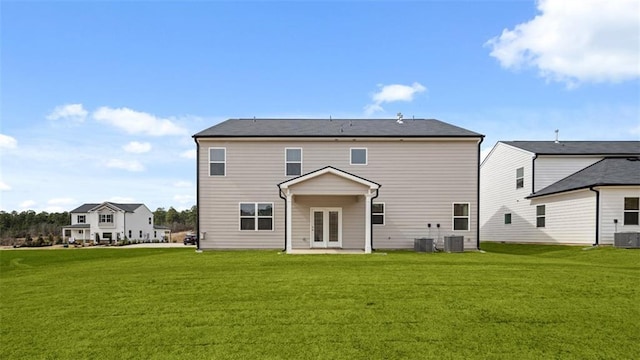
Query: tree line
[(31, 224)]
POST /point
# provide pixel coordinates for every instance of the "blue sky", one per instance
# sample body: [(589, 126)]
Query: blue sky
[(99, 99)]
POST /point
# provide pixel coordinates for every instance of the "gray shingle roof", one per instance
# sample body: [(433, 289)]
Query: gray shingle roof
[(606, 172), (124, 207), (334, 128), (578, 147)]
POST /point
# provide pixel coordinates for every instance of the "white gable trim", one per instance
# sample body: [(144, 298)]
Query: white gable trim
[(329, 170)]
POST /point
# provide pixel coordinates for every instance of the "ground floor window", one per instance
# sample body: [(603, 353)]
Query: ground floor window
[(377, 213), (106, 236), (507, 218), (631, 210), (461, 216), (541, 213), (129, 234), (256, 216)]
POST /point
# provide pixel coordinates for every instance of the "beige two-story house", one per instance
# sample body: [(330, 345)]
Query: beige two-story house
[(301, 184)]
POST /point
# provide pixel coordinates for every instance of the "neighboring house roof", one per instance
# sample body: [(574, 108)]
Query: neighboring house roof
[(334, 128), (606, 172), (578, 147), (124, 207)]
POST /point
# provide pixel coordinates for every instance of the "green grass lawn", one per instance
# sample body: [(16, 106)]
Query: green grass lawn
[(512, 302)]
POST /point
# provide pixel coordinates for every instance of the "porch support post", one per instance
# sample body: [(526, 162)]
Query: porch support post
[(367, 223), (289, 222)]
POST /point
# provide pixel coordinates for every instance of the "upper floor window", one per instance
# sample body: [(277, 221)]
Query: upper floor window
[(519, 178), (217, 161), (293, 161), (541, 213), (82, 219), (149, 221), (256, 216), (106, 218), (631, 210), (358, 156), (377, 213), (461, 216)]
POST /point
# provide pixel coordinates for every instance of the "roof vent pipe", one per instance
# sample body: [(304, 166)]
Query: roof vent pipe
[(557, 131)]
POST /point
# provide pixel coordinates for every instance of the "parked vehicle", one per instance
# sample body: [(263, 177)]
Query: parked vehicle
[(190, 239)]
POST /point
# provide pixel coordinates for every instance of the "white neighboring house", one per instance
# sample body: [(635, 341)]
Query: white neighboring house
[(112, 222), (569, 192)]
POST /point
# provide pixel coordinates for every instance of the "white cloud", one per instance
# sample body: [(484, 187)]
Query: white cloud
[(183, 199), (8, 142), (129, 165), (574, 41), (182, 184), (137, 147), (188, 154), (73, 112), (61, 201), (136, 122), (27, 204), (121, 199), (393, 93), (4, 186)]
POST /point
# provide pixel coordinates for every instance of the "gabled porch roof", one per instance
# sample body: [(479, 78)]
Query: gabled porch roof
[(329, 170)]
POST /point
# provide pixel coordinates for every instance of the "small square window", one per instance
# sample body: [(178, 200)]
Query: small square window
[(461, 216), (358, 156), (631, 210), (377, 213), (519, 178), (293, 162), (541, 212), (217, 161)]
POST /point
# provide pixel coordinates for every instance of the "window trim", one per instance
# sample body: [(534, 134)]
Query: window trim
[(256, 217), (454, 217), (366, 156), (286, 161), (630, 211), (217, 162), (383, 213), (520, 186), (541, 216), (83, 221), (107, 216)]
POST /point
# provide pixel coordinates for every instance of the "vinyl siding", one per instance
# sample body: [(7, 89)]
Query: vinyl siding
[(420, 181), (551, 169), (570, 218), (498, 196), (612, 207)]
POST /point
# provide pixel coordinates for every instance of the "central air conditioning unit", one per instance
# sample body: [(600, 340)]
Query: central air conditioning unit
[(627, 240), (453, 243), (423, 245)]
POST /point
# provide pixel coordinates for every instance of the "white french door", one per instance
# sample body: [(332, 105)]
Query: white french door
[(326, 227)]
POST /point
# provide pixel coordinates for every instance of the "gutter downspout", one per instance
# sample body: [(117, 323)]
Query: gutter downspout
[(284, 249), (371, 222), (197, 196), (478, 197), (533, 173), (597, 215)]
